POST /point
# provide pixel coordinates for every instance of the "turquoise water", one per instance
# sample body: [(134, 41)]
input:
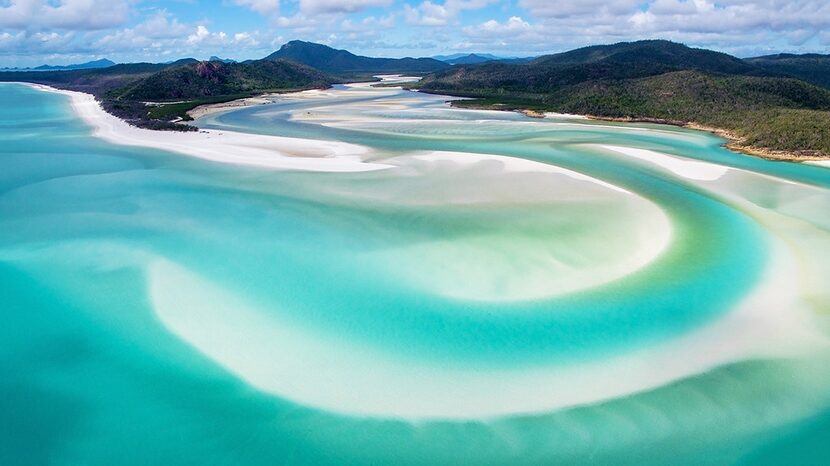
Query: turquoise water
[(123, 269)]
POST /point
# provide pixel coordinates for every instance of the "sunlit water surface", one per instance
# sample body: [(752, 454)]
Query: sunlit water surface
[(612, 294)]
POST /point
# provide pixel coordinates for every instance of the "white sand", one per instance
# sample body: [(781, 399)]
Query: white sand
[(511, 165), (565, 116), (686, 168), (330, 372), (280, 356), (210, 109), (224, 146), (575, 254), (820, 163)]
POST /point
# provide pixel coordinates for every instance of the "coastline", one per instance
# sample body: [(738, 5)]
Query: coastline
[(733, 142), (208, 109), (263, 151), (278, 152)]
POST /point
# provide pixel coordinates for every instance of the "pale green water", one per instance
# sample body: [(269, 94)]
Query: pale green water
[(110, 257)]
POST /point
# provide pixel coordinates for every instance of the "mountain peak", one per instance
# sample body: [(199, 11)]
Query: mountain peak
[(332, 60), (653, 52), (100, 63)]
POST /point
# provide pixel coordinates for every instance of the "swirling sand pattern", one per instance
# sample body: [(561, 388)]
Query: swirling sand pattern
[(500, 289)]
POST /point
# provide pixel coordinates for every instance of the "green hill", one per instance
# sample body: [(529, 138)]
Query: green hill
[(650, 53), (771, 103), (124, 89), (811, 67), (216, 78), (624, 60), (187, 86), (780, 114), (657, 81), (331, 60), (96, 81)]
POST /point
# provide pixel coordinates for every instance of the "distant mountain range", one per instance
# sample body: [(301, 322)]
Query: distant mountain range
[(217, 78), (102, 63), (811, 67), (331, 60), (474, 58), (777, 102), (625, 60)]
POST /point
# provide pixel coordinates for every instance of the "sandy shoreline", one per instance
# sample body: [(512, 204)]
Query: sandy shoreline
[(209, 109), (734, 142), (223, 146)]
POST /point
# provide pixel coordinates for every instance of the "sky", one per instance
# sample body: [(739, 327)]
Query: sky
[(34, 32)]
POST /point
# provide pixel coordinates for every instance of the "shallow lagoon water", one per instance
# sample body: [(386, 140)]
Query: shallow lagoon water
[(165, 309)]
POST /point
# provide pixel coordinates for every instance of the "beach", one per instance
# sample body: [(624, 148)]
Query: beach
[(524, 289), (223, 146), (208, 109)]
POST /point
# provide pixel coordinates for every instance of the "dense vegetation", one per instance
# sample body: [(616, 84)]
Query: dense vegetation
[(656, 81), (187, 86), (811, 67), (773, 102), (618, 61), (210, 79), (340, 62), (157, 96), (123, 90), (94, 81)]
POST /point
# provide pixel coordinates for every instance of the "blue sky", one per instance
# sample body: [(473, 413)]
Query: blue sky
[(33, 32)]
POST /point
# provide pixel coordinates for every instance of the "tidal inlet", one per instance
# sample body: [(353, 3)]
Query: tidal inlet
[(366, 275)]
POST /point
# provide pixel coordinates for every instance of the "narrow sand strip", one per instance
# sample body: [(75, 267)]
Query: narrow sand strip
[(690, 169), (820, 163), (512, 165), (224, 146), (210, 109)]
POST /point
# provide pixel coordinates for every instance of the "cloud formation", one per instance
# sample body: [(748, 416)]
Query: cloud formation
[(34, 30), (65, 14)]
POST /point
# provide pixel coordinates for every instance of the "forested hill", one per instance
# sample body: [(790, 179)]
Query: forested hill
[(768, 108), (618, 61), (96, 81), (649, 55), (174, 88), (335, 61), (811, 67), (216, 78), (173, 91), (773, 103)]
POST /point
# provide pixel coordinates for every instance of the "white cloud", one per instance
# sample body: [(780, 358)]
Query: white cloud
[(493, 35), (429, 13), (263, 7), (37, 42), (245, 38), (368, 25), (60, 28), (512, 26), (161, 25), (199, 35), (65, 14), (339, 6), (571, 9), (736, 26)]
